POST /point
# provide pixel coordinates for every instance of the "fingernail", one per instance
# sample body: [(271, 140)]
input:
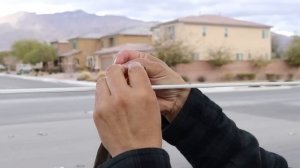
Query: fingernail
[(115, 58), (134, 64)]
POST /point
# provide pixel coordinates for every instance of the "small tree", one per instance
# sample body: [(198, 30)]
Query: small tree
[(172, 52), (219, 56), (33, 52), (293, 52), (275, 46)]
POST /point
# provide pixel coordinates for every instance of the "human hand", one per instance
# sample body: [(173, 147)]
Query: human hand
[(171, 100), (127, 113)]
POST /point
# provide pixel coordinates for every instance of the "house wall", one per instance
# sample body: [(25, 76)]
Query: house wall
[(123, 39), (87, 48), (61, 47), (198, 69), (106, 61), (244, 41)]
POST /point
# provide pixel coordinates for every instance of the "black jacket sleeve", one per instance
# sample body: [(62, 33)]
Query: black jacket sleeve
[(208, 139), (140, 158)]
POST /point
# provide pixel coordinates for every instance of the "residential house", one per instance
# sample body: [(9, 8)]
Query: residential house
[(62, 47), (81, 48), (207, 34), (104, 57), (134, 38)]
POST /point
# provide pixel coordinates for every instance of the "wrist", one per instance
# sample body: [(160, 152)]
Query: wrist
[(178, 104)]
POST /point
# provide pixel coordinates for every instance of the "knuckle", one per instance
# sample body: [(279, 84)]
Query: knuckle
[(146, 95), (113, 68), (120, 101)]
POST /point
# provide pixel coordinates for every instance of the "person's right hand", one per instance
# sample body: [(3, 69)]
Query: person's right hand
[(171, 100)]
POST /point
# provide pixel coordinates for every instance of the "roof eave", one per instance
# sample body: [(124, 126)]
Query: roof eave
[(229, 25)]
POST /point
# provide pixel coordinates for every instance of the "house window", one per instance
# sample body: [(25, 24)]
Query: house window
[(239, 56), (204, 33), (170, 32), (195, 56), (226, 32), (265, 34), (56, 63), (111, 42), (249, 56), (74, 44)]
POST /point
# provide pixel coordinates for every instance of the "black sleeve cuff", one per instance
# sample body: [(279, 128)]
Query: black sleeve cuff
[(140, 158), (198, 109), (202, 132), (209, 139)]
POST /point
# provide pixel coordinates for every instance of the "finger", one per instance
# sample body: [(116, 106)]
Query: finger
[(138, 77), (154, 69), (102, 90), (115, 76), (127, 55)]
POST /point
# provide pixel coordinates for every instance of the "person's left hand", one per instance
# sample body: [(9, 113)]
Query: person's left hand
[(127, 113)]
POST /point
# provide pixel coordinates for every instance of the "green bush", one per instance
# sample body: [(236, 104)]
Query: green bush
[(219, 56), (245, 76), (228, 77), (273, 77), (54, 70), (260, 62), (293, 52)]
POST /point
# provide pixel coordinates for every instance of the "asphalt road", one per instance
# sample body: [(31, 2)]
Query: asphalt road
[(56, 130), (11, 82)]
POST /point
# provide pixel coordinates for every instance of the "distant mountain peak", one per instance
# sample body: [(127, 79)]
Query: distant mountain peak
[(63, 25)]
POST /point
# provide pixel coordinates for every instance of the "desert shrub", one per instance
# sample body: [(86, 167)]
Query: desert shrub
[(293, 52), (219, 56), (245, 76), (54, 70), (273, 77), (289, 77), (229, 77), (85, 76), (201, 79), (260, 62)]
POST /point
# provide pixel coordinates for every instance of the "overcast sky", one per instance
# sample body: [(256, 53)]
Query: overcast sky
[(283, 15)]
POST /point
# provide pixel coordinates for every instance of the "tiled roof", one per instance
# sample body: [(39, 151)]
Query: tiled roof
[(216, 20), (69, 53), (128, 46), (137, 30)]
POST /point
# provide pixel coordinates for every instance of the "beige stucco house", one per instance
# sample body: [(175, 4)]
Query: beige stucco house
[(243, 40), (133, 38), (104, 57), (82, 48)]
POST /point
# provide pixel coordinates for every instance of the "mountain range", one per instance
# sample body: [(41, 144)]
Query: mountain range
[(65, 25), (60, 26)]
